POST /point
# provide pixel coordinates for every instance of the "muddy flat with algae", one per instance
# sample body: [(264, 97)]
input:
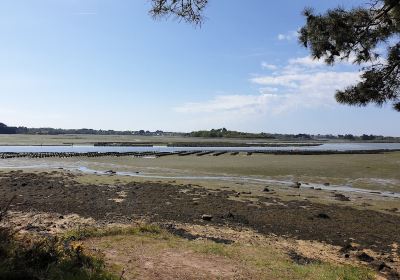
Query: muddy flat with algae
[(353, 231)]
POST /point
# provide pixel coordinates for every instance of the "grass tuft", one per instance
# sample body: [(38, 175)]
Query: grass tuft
[(90, 232)]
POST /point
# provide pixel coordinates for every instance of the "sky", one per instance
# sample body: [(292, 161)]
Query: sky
[(106, 64)]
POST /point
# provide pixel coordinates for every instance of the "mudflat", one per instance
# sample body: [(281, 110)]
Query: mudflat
[(161, 202)]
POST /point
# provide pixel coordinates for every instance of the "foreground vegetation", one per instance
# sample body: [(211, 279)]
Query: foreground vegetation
[(248, 261), (69, 256), (32, 257)]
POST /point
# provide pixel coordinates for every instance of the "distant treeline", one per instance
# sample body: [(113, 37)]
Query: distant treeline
[(7, 129), (213, 133), (223, 132), (4, 129)]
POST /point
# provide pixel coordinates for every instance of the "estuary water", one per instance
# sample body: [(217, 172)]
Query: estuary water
[(122, 149)]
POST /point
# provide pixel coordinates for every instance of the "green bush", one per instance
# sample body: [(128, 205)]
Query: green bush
[(32, 257)]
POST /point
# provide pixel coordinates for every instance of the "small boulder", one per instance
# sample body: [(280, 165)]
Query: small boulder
[(341, 197), (266, 189), (347, 248), (365, 257), (323, 216), (206, 217)]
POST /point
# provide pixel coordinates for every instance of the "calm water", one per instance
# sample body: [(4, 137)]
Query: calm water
[(87, 148)]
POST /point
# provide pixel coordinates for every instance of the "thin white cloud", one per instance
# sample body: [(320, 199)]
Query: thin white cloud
[(232, 109), (281, 37), (299, 85), (224, 103), (268, 66), (307, 61), (314, 80), (288, 36), (268, 90)]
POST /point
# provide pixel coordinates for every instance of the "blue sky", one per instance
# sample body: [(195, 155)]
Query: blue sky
[(107, 64)]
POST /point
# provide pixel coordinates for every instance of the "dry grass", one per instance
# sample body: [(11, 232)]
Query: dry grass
[(149, 255)]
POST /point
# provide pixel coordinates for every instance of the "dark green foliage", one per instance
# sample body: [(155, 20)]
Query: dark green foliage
[(33, 258), (356, 34), (4, 129), (349, 137), (187, 10), (223, 132)]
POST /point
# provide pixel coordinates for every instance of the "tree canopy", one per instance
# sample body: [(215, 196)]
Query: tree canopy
[(358, 35), (188, 10)]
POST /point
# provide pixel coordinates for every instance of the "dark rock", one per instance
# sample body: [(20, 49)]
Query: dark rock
[(206, 217), (365, 257), (323, 216), (341, 197), (327, 184), (347, 248), (266, 189)]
